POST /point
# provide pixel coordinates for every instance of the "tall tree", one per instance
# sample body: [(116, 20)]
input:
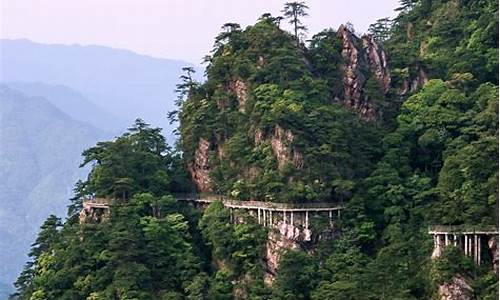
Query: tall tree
[(294, 11)]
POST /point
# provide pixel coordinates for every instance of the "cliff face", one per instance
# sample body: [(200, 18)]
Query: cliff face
[(284, 236), (377, 60), (240, 89), (200, 167)]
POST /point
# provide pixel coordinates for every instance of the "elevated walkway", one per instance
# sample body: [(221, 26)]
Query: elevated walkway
[(469, 238), (267, 213)]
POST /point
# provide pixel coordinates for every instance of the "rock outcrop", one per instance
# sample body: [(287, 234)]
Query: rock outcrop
[(239, 88), (93, 215), (200, 167), (456, 289), (377, 60), (282, 237), (362, 58), (412, 84), (493, 246), (353, 80), (281, 141)]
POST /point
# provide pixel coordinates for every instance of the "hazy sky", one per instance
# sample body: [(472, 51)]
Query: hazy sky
[(178, 29)]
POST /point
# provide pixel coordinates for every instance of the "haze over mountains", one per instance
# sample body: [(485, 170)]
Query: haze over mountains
[(56, 100), (122, 82)]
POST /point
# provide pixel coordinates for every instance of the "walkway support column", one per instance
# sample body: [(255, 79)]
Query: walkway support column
[(466, 248), (469, 249), (291, 218), (475, 248), (258, 216), (307, 219), (478, 250)]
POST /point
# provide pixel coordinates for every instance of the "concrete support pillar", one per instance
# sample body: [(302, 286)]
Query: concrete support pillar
[(478, 250), (455, 240), (284, 217), (258, 215), (466, 248), (264, 217), (330, 217), (470, 245), (270, 218), (475, 248), (307, 219), (446, 240), (291, 218), (338, 213)]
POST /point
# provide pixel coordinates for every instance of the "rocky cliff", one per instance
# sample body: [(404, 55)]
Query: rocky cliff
[(363, 57), (251, 91), (200, 167)]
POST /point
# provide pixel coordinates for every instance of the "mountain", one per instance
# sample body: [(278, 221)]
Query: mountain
[(40, 148), (123, 82), (396, 130), (72, 103)]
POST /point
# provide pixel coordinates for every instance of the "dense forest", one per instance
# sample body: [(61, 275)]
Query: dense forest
[(400, 125)]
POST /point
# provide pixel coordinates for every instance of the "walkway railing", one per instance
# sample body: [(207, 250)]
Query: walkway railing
[(208, 198), (252, 204), (462, 229)]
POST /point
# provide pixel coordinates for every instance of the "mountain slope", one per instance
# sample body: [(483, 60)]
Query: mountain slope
[(123, 82), (39, 157), (72, 103)]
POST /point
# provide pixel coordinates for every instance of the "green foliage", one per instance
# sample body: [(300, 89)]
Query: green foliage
[(138, 161), (237, 249), (143, 251), (446, 37), (450, 263), (296, 276)]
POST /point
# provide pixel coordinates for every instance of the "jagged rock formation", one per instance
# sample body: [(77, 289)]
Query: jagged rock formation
[(377, 59), (353, 77), (362, 58)]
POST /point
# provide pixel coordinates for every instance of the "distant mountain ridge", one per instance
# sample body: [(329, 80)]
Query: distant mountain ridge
[(39, 157), (124, 83), (72, 103)]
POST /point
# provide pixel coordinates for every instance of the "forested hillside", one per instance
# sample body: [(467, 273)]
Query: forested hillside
[(400, 125)]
